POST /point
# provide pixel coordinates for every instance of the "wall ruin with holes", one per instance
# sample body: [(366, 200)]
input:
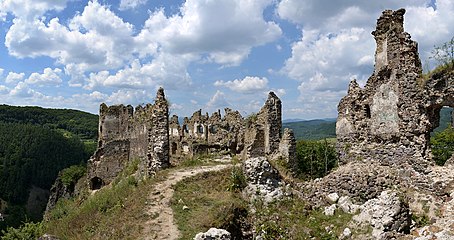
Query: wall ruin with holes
[(258, 134), (390, 119), (126, 134)]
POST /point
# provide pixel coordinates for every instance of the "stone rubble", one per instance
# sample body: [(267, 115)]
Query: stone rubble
[(213, 234), (387, 213), (263, 181)]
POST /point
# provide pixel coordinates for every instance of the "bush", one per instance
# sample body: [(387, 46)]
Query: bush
[(237, 180), (25, 232), (315, 158), (72, 174), (442, 145)]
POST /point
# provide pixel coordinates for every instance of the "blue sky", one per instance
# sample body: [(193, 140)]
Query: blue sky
[(207, 54)]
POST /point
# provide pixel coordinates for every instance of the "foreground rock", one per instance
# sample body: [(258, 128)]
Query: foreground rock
[(213, 234), (263, 181), (386, 214)]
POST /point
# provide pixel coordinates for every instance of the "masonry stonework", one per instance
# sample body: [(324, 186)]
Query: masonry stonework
[(391, 118), (126, 134)]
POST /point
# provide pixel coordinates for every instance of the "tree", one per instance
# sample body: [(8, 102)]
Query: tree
[(442, 145), (444, 54)]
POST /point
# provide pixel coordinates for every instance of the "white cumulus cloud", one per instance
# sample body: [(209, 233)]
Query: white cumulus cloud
[(217, 101), (247, 85), (131, 4), (226, 30), (14, 77), (48, 77)]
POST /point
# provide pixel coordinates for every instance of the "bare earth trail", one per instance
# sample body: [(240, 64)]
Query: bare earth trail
[(162, 225)]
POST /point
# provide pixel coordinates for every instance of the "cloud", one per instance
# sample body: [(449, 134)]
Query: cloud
[(1, 71), (14, 77), (322, 14), (23, 91), (29, 9), (165, 70), (226, 30), (246, 85), (327, 61), (96, 39), (131, 4), (217, 101), (429, 26), (48, 77), (4, 90)]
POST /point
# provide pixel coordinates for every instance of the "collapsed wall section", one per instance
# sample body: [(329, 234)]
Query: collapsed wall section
[(391, 118), (125, 135)]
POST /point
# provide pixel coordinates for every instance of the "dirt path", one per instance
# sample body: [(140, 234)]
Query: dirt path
[(162, 225)]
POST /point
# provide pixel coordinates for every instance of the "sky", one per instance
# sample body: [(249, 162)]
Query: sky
[(207, 54)]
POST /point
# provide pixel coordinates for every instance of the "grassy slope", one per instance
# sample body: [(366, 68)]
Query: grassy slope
[(115, 212), (215, 206)]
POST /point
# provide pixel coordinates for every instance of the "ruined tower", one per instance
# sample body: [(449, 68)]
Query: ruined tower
[(390, 119), (125, 135)]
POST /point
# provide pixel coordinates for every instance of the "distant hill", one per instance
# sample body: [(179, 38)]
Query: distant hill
[(83, 124), (35, 144), (313, 129), (326, 128)]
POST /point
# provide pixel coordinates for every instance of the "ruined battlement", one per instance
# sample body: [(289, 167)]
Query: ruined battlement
[(126, 134), (390, 119), (146, 133)]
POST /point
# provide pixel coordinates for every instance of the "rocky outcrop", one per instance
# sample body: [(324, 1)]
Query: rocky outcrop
[(126, 134), (213, 234), (386, 214), (391, 118), (263, 181)]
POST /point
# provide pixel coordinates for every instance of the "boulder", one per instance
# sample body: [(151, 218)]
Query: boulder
[(213, 234)]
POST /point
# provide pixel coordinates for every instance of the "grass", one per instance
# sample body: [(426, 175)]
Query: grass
[(290, 219), (114, 212), (209, 203)]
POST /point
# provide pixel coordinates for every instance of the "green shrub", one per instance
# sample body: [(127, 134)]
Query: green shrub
[(25, 232), (315, 158), (72, 174), (442, 144), (237, 180)]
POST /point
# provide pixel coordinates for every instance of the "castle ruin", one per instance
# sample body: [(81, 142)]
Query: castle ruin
[(391, 118), (148, 135), (126, 134)]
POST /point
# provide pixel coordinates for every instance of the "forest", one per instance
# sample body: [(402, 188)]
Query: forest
[(35, 144)]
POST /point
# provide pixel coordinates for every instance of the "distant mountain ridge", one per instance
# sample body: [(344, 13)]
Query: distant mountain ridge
[(312, 129), (317, 129), (80, 123)]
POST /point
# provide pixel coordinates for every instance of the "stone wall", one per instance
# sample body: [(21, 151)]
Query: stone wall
[(147, 134), (391, 118), (257, 135), (126, 134)]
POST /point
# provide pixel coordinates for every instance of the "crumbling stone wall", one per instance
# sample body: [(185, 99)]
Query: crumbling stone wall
[(391, 118), (287, 149), (204, 134), (259, 135), (147, 134), (270, 117), (124, 135)]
